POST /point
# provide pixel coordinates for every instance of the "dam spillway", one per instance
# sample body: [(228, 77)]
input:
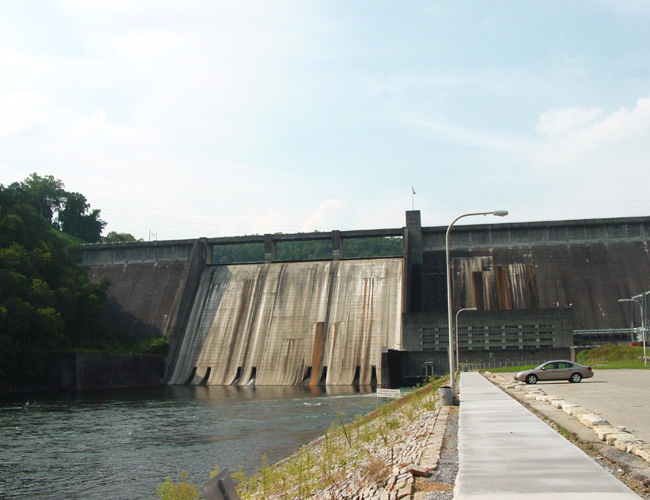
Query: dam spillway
[(315, 323), (326, 321)]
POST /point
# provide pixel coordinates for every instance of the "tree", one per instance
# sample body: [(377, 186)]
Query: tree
[(47, 303), (115, 237), (45, 194), (77, 219)]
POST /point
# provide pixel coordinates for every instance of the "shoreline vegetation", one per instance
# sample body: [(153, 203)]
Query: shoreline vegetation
[(371, 453)]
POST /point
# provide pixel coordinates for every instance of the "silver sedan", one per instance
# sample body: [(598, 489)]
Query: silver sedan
[(555, 370)]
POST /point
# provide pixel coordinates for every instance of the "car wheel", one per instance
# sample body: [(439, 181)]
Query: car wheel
[(575, 378), (531, 379)]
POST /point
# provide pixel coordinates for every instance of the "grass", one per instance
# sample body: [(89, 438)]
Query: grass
[(343, 451), (608, 357), (613, 357), (620, 365), (508, 369)]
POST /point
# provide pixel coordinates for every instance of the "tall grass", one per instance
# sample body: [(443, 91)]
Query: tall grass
[(343, 449), (613, 357)]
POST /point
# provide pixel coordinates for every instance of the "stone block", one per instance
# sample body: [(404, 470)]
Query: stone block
[(602, 431), (612, 438), (404, 492), (626, 444), (591, 419), (419, 471), (642, 451), (575, 411)]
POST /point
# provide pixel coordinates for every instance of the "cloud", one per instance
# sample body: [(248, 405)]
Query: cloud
[(576, 139), (558, 122), (596, 162), (331, 214), (25, 113)]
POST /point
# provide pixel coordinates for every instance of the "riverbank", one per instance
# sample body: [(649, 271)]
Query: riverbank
[(391, 453)]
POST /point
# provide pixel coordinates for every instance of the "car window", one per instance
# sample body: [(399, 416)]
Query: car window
[(563, 365), (550, 366)]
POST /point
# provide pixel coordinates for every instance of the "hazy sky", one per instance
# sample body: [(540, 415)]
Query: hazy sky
[(215, 118)]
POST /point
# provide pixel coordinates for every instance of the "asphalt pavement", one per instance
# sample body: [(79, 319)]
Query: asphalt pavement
[(505, 452), (620, 396)]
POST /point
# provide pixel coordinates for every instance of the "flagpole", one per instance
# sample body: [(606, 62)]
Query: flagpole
[(412, 198)]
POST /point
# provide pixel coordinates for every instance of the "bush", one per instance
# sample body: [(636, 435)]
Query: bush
[(156, 346), (181, 491)]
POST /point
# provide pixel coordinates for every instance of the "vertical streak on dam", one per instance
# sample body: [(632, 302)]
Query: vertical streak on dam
[(289, 323)]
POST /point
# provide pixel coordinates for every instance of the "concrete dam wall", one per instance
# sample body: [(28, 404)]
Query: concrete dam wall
[(326, 322), (290, 323), (152, 284)]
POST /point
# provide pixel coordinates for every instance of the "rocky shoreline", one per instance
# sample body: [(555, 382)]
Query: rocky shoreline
[(392, 454), (408, 450)]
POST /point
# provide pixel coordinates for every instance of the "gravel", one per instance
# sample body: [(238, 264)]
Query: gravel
[(439, 486)]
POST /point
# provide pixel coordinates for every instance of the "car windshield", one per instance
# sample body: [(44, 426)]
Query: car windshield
[(541, 366)]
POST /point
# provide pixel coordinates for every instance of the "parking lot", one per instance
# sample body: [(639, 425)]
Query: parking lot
[(620, 396)]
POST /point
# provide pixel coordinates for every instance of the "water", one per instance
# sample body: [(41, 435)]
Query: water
[(122, 444)]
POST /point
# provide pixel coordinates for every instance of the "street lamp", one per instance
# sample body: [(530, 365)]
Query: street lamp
[(456, 336), (642, 310), (450, 318)]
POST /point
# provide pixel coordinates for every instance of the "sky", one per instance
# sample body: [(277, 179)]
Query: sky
[(219, 118)]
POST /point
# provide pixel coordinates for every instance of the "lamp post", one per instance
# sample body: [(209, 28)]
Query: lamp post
[(642, 311), (456, 336), (450, 317)]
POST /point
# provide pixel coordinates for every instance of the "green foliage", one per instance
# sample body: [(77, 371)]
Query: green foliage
[(47, 303), (181, 491), (115, 237), (157, 345), (342, 450), (67, 211), (45, 194), (310, 250), (507, 369), (610, 354), (76, 218), (243, 252)]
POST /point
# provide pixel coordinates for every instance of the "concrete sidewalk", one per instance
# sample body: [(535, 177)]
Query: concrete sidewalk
[(506, 452)]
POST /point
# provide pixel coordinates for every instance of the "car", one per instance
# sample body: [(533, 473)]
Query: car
[(555, 370)]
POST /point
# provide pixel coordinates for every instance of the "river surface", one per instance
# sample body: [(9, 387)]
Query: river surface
[(122, 444)]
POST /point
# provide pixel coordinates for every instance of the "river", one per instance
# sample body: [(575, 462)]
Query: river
[(122, 444)]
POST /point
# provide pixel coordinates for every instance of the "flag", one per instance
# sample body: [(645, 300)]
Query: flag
[(413, 189)]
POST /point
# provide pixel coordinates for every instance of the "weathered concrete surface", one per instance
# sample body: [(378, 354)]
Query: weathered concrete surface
[(507, 452), (90, 371), (620, 396), (285, 323), (585, 273), (142, 297)]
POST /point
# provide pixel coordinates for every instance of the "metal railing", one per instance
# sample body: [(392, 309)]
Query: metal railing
[(487, 365)]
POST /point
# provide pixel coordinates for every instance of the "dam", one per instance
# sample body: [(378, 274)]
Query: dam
[(292, 323), (535, 290)]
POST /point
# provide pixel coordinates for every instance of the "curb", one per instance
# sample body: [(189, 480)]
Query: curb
[(618, 437)]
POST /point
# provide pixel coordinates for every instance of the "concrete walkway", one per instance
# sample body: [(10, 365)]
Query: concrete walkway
[(506, 452)]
